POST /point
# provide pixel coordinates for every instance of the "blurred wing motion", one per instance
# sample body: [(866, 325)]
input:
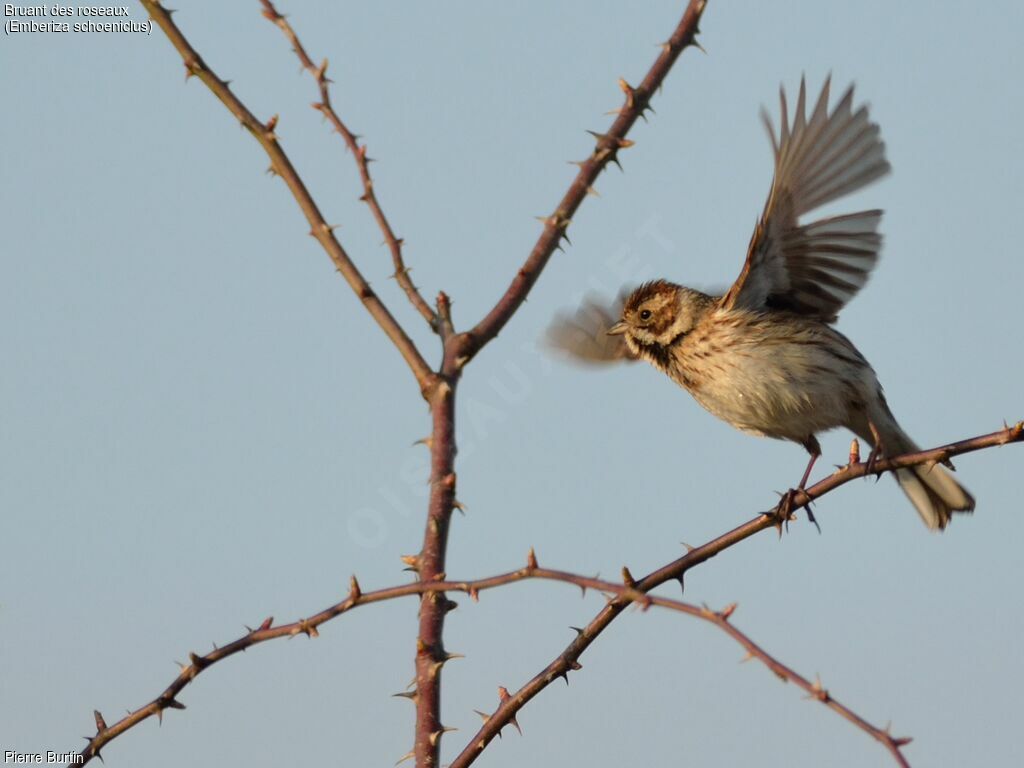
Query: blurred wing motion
[(814, 269), (582, 336)]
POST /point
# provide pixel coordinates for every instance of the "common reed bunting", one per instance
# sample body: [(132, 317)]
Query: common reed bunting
[(764, 357)]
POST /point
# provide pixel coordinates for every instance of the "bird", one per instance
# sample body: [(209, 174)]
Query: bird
[(765, 356)]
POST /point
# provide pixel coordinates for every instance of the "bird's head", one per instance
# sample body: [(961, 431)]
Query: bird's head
[(659, 313)]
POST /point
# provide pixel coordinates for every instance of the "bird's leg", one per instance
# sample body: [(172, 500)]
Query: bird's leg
[(786, 503), (877, 449)]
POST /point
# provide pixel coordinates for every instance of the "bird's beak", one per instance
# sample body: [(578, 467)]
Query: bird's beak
[(617, 330)]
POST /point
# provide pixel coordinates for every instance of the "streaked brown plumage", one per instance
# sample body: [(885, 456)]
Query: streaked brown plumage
[(764, 357)]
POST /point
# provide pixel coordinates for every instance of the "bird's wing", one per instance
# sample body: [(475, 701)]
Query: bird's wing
[(815, 268), (582, 335)]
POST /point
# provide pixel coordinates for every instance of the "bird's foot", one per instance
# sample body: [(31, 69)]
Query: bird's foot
[(877, 451), (785, 509)]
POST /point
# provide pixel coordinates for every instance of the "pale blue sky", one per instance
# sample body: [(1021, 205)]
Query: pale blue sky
[(200, 427)]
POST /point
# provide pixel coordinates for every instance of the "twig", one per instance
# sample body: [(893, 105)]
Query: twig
[(626, 594), (282, 166), (568, 659), (369, 196), (608, 144)]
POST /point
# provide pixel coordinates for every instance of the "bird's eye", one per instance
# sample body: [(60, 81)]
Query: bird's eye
[(645, 314)]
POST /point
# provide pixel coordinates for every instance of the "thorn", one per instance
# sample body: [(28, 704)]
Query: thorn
[(406, 756), (503, 696), (577, 163), (575, 666), (410, 695), (271, 125), (413, 561), (592, 191), (627, 577), (818, 691), (306, 628), (427, 441), (577, 630), (747, 657), (483, 715), (456, 504), (682, 585), (267, 622), (619, 143), (438, 734), (898, 743), (728, 611), (698, 46), (448, 605), (320, 71), (362, 155), (271, 171), (630, 92), (689, 547), (474, 594), (531, 560), (354, 592)]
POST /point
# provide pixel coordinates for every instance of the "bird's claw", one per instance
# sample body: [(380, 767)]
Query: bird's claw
[(872, 462), (784, 510)]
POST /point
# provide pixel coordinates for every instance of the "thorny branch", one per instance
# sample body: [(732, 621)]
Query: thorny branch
[(282, 166), (568, 659), (439, 388), (369, 196), (637, 102), (631, 591)]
